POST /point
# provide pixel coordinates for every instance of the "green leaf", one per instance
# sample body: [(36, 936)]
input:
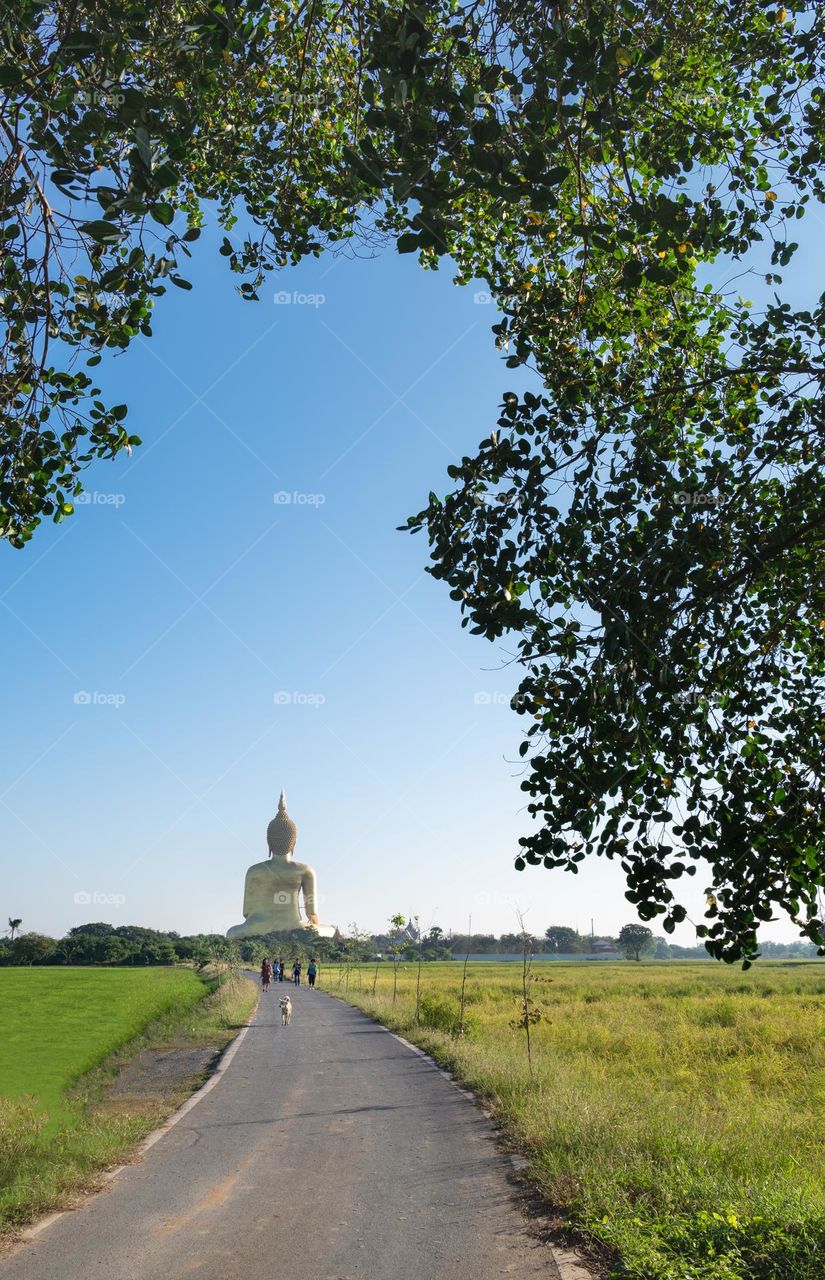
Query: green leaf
[(103, 232), (81, 41), (144, 145)]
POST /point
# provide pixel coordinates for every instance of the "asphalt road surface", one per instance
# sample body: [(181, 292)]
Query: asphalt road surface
[(327, 1150)]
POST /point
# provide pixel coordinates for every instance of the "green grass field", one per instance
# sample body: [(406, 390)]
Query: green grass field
[(58, 1127), (59, 1023), (675, 1111)]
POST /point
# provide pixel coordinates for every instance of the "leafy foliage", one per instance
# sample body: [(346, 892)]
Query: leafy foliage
[(636, 940), (563, 940), (119, 121), (648, 523)]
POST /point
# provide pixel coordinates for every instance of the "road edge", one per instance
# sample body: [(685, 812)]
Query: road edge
[(569, 1262)]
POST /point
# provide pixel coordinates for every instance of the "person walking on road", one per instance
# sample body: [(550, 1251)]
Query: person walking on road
[(279, 965), (266, 975), (296, 973), (312, 971)]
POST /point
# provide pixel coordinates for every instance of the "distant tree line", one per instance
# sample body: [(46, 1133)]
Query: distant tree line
[(99, 943)]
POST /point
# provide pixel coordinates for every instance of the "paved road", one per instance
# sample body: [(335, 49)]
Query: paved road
[(326, 1151)]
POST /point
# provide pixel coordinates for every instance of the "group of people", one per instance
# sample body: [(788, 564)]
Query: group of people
[(273, 971)]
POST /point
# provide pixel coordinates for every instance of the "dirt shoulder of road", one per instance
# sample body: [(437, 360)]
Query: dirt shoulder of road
[(171, 1058)]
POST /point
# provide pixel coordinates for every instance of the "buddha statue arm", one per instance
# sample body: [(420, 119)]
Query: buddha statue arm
[(309, 887), (248, 895)]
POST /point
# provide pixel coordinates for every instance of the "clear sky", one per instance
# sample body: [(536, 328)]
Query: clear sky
[(233, 611)]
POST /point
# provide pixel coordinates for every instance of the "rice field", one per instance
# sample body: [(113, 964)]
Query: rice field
[(59, 1023)]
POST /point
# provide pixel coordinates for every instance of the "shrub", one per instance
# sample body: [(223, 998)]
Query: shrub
[(439, 1014)]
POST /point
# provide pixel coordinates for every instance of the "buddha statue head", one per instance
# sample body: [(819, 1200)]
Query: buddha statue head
[(282, 832)]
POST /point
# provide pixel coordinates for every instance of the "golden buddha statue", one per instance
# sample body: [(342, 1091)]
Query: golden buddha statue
[(272, 892)]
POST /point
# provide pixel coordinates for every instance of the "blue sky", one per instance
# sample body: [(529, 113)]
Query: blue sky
[(233, 611)]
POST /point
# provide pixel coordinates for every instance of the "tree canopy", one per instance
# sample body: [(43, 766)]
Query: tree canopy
[(563, 940), (636, 940), (645, 518)]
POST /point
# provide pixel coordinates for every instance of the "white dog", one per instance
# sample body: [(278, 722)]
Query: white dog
[(286, 1011)]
